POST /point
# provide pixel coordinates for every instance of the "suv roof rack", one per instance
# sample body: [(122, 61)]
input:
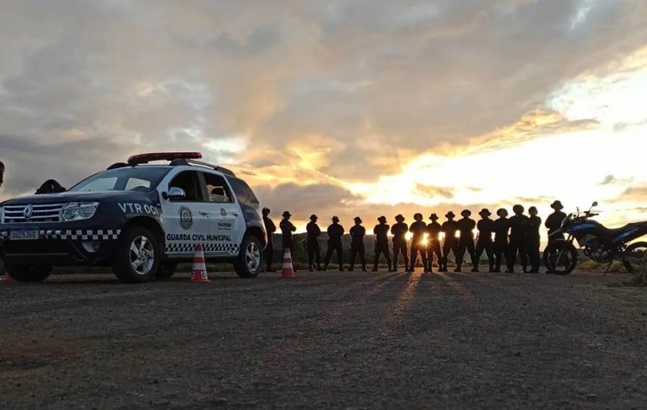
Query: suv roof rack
[(175, 159)]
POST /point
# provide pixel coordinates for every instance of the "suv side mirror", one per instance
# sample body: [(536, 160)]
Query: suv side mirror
[(174, 193), (595, 203)]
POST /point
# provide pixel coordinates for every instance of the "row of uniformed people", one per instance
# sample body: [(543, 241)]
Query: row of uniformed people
[(499, 238)]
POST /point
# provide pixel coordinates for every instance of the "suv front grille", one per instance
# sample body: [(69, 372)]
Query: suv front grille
[(40, 213)]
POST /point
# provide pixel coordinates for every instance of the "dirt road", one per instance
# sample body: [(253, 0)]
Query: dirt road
[(325, 340)]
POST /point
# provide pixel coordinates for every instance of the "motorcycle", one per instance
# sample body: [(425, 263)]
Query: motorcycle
[(597, 242)]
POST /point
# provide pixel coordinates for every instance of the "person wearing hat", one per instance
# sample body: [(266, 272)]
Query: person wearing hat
[(287, 228), (554, 222), (433, 243), (466, 227), (335, 233), (314, 251), (501, 228), (417, 229), (399, 231), (270, 228), (518, 231), (449, 229), (485, 226), (357, 234), (533, 239), (381, 232)]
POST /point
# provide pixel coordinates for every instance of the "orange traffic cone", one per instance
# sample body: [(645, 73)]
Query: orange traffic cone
[(199, 267), (288, 270)]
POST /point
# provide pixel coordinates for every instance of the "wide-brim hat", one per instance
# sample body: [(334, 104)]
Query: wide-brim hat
[(382, 218), (313, 216), (357, 219), (286, 213), (485, 212), (502, 211), (433, 217), (334, 218), (466, 212), (557, 205), (399, 217), (449, 214)]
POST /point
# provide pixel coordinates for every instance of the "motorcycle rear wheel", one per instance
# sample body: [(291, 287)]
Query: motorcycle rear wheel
[(560, 257), (634, 257)]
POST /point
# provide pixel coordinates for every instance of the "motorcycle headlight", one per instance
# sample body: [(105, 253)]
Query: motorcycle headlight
[(75, 211)]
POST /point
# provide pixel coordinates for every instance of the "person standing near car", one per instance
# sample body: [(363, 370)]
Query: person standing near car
[(287, 228), (450, 243), (335, 233), (314, 251), (554, 223), (381, 232), (357, 234), (399, 231), (433, 242), (485, 226), (466, 227), (270, 228), (518, 232), (533, 239), (417, 229), (501, 229)]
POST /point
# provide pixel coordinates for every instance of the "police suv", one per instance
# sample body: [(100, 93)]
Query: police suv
[(141, 219)]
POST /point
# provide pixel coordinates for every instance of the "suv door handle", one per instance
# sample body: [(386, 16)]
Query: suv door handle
[(203, 213)]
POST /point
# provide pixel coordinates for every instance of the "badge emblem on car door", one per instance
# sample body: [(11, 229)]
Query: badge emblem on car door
[(186, 219), (223, 212)]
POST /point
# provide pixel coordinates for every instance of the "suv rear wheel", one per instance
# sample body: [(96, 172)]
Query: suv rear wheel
[(249, 260), (138, 255)]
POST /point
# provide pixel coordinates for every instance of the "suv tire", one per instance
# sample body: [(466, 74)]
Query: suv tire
[(166, 270), (138, 256), (27, 273), (250, 258)]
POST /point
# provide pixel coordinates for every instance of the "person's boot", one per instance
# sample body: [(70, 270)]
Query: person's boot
[(341, 268), (312, 269), (374, 269), (475, 269), (364, 268), (491, 268), (458, 268)]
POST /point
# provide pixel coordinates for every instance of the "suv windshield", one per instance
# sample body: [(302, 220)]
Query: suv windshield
[(142, 179)]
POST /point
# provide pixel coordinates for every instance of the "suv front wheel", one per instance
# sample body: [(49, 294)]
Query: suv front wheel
[(249, 260), (138, 255), (27, 273)]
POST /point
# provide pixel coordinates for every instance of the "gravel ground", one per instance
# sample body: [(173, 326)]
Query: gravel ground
[(325, 340)]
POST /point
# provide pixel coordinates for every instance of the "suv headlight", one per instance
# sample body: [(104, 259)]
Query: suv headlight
[(75, 211)]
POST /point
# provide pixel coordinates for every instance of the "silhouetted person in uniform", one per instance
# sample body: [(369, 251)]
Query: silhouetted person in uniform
[(335, 233), (357, 234), (381, 232), (450, 244), (485, 227), (532, 239), (314, 251), (270, 228), (1, 173), (399, 231), (466, 226), (501, 231), (518, 231), (554, 222), (433, 243), (287, 228), (418, 230)]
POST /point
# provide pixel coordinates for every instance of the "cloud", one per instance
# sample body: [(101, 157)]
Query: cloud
[(432, 191), (323, 93)]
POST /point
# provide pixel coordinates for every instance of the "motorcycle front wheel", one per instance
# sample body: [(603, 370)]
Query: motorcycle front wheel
[(560, 257), (634, 257)]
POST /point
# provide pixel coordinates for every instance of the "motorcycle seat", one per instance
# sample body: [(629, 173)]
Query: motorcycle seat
[(612, 232)]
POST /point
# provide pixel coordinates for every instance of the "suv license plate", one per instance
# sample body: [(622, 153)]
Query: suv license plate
[(30, 234)]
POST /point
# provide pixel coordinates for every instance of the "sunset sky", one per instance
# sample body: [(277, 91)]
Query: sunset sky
[(339, 107)]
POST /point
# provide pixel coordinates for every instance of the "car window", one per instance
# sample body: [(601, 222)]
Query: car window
[(217, 188), (243, 192), (122, 179), (189, 181)]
